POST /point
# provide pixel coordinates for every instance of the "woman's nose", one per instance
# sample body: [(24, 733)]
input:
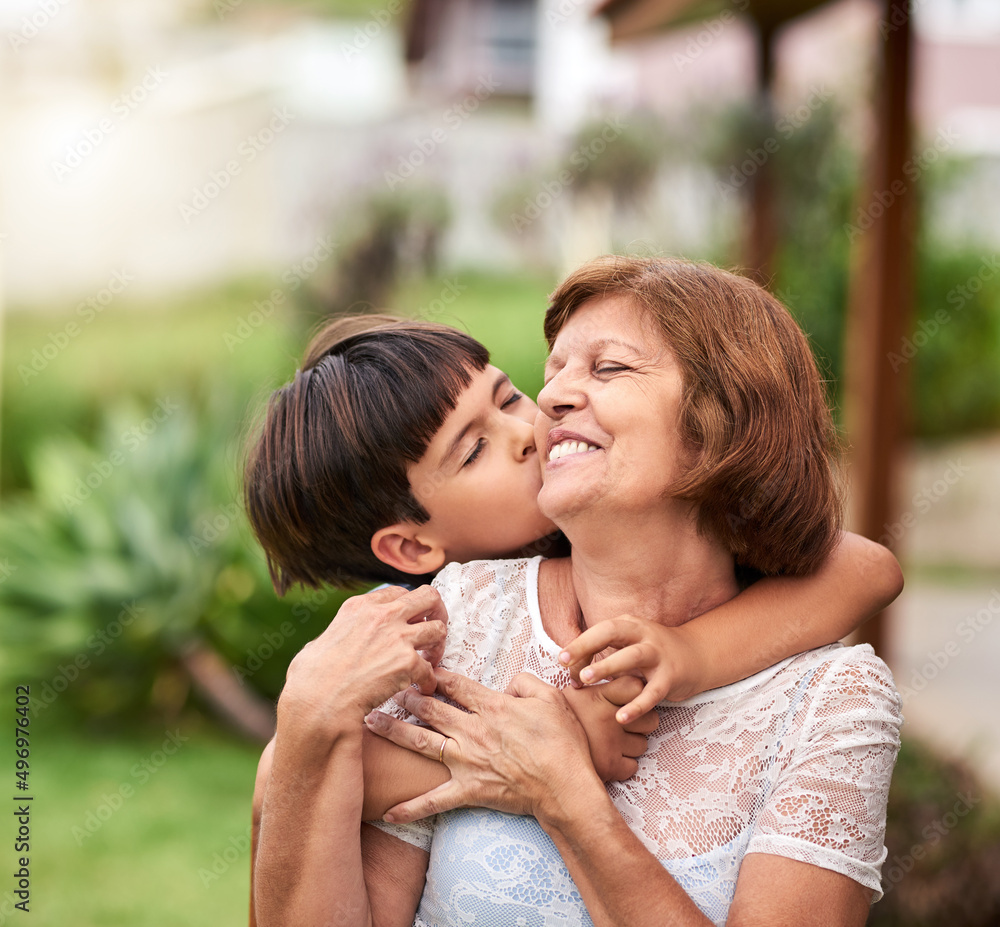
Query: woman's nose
[(559, 396)]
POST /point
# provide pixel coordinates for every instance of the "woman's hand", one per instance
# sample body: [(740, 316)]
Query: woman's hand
[(517, 752), (378, 644)]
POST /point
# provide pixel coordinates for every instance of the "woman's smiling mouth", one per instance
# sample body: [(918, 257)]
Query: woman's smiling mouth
[(570, 446)]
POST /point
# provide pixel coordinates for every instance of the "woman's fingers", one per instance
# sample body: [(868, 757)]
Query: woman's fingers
[(524, 685), (445, 797), (466, 692), (429, 709), (411, 736)]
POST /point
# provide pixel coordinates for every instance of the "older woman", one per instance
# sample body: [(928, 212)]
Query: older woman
[(685, 432)]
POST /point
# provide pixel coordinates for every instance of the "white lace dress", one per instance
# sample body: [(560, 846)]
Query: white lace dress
[(794, 761)]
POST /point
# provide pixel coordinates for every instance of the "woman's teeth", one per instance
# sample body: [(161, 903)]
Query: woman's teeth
[(570, 447)]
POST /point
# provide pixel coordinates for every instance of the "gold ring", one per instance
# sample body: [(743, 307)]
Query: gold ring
[(444, 740)]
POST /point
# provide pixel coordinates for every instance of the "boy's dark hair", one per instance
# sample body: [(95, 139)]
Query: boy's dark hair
[(329, 466)]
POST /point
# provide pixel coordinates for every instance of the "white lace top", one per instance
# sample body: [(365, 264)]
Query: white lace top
[(794, 761)]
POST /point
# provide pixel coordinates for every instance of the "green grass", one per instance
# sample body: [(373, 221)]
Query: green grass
[(175, 850)]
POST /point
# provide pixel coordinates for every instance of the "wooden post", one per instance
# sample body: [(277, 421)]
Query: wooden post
[(761, 243), (880, 294)]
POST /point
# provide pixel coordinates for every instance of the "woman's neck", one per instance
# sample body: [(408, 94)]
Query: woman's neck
[(669, 576)]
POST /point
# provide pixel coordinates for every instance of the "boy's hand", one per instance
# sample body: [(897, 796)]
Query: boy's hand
[(665, 657), (614, 747)]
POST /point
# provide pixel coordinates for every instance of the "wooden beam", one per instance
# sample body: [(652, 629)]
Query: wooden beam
[(761, 241), (880, 294)]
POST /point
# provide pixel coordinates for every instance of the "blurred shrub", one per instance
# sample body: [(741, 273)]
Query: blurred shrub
[(953, 352), (621, 154), (130, 573), (389, 235), (943, 847), (613, 160)]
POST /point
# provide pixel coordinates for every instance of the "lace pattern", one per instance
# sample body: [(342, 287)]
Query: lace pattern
[(794, 761)]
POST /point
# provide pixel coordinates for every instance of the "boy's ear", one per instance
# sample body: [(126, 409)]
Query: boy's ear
[(399, 547)]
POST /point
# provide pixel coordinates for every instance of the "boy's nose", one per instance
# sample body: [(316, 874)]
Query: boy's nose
[(523, 438)]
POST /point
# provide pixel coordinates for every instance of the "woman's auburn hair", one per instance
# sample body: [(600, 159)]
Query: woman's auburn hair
[(754, 411)]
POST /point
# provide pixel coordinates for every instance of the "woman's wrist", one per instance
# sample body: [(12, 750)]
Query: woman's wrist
[(571, 801), (315, 728)]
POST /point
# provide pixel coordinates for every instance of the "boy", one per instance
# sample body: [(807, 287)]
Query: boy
[(398, 448)]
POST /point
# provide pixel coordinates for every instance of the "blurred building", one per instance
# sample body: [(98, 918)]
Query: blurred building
[(186, 142)]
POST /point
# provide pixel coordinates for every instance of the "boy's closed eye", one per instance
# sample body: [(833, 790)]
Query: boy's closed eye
[(477, 450)]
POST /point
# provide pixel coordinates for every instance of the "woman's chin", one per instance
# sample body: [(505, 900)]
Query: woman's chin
[(561, 503)]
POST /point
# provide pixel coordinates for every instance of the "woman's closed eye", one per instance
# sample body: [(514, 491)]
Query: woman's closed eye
[(515, 397), (609, 367)]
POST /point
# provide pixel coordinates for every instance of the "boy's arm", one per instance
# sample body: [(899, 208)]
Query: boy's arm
[(775, 618), (393, 774)]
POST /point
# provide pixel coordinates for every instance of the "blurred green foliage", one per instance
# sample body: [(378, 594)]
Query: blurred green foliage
[(121, 518), (127, 552), (943, 846), (952, 354), (392, 235)]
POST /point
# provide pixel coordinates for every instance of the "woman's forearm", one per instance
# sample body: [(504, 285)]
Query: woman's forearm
[(308, 868), (621, 882)]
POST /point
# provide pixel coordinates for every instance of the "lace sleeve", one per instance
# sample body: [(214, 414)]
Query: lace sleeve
[(420, 833), (828, 806)]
